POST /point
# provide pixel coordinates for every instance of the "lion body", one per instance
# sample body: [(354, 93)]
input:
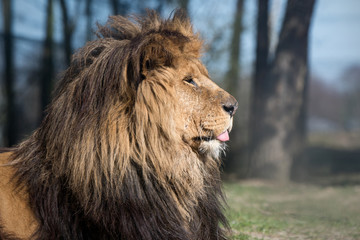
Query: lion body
[(130, 145), (15, 215)]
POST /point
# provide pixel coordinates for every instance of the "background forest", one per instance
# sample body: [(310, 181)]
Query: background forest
[(293, 65)]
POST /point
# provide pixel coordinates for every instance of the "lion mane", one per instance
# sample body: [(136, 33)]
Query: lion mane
[(107, 161)]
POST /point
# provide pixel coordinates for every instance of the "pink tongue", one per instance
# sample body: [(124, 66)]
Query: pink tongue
[(223, 137)]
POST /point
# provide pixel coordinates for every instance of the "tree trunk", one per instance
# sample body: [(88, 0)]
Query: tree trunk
[(119, 7), (232, 75), (67, 32), (259, 81), (262, 52), (115, 6), (88, 13), (10, 128), (184, 4), (48, 63), (232, 83), (282, 112)]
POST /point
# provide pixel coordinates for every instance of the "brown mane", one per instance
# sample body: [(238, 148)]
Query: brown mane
[(107, 162)]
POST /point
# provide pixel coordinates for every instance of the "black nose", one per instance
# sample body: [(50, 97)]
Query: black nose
[(230, 106)]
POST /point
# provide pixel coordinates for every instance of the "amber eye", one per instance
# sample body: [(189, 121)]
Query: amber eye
[(191, 81)]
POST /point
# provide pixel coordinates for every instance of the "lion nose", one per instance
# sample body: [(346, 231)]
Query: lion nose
[(230, 106)]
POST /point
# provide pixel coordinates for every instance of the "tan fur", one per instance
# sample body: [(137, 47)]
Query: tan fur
[(15, 214), (126, 123)]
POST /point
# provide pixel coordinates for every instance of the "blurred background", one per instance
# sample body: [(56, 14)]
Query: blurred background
[(294, 67), (292, 170)]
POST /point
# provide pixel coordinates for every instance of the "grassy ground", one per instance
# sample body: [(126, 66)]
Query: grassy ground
[(259, 210)]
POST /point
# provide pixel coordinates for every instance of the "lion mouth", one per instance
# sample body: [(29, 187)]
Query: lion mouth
[(223, 137), (203, 138)]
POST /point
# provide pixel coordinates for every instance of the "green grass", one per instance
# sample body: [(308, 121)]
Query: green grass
[(259, 210)]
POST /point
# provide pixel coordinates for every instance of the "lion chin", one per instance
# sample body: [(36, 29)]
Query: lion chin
[(213, 148), (130, 146)]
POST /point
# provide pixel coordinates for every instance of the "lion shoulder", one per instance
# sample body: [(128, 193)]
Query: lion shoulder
[(16, 216)]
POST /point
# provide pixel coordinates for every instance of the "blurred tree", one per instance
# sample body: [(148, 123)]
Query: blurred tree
[(232, 83), (261, 67), (88, 13), (10, 127), (68, 29), (119, 7), (184, 4), (47, 71), (278, 136), (232, 75), (161, 4)]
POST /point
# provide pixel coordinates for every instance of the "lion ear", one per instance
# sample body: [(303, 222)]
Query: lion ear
[(154, 56)]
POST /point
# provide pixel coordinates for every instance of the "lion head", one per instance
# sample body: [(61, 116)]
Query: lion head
[(132, 138)]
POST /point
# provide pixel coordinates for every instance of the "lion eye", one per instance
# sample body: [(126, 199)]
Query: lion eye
[(191, 81)]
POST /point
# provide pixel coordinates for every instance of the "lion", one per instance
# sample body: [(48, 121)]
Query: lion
[(131, 143)]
